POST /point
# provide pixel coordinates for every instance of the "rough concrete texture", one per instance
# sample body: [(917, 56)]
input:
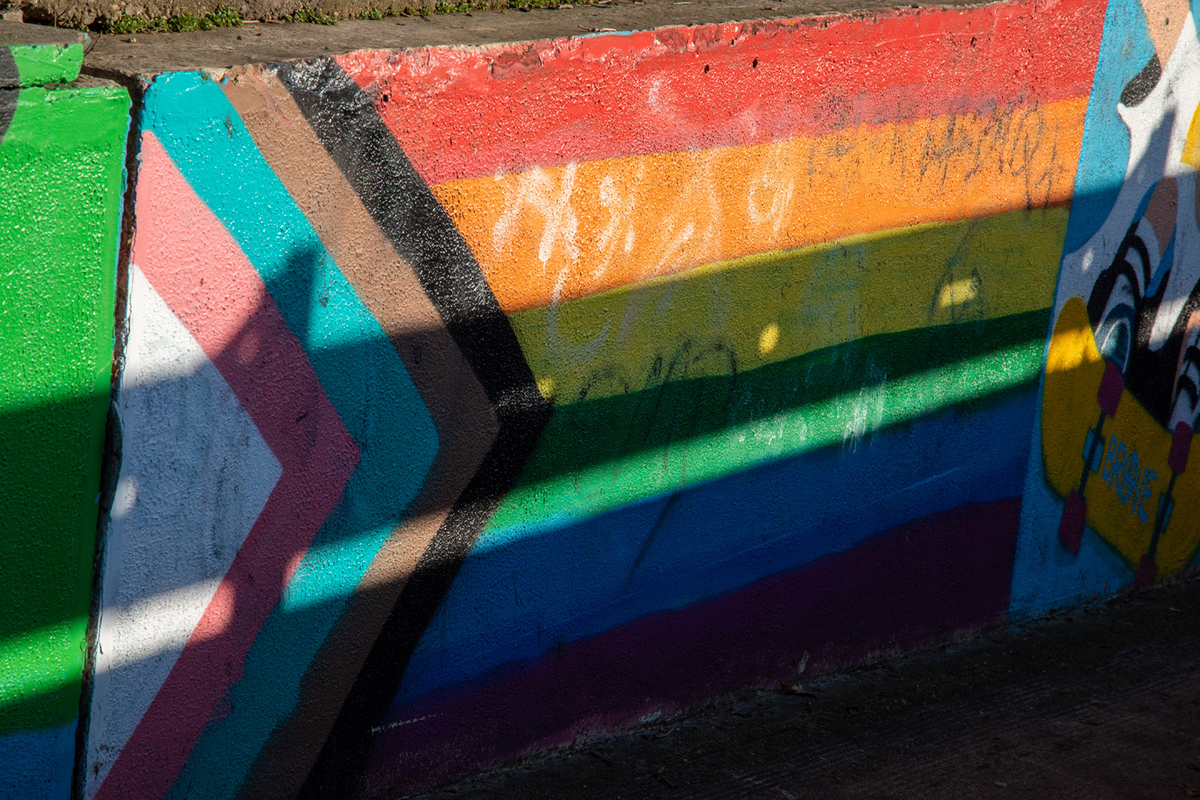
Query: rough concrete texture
[(18, 33), (148, 54)]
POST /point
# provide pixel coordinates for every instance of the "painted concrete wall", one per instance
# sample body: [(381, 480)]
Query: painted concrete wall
[(62, 155), (475, 398), (1108, 497)]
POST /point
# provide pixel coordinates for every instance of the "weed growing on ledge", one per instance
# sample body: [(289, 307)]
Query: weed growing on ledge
[(229, 17), (221, 17), (309, 15)]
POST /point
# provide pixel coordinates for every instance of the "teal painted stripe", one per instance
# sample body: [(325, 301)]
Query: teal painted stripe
[(359, 371)]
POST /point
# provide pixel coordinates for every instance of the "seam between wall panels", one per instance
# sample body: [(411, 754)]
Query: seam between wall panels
[(110, 467)]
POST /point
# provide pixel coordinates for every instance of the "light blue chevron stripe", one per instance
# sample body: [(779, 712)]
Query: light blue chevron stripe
[(360, 372)]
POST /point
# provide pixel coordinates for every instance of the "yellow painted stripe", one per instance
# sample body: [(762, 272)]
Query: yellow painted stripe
[(775, 306), (549, 235), (1191, 145)]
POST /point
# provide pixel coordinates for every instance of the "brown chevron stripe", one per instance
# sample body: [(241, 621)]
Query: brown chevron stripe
[(462, 414), (410, 217)]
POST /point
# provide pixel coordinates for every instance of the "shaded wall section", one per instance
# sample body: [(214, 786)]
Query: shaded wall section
[(474, 398), (61, 177)]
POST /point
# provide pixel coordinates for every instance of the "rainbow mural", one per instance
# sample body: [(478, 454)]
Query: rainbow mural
[(789, 304), (477, 397)]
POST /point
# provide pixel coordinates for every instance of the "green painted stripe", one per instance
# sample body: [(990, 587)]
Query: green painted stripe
[(39, 64), (61, 166), (40, 664), (597, 455), (776, 306)]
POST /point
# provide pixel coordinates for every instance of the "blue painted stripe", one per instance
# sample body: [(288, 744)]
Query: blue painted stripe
[(1125, 47), (360, 372), (517, 600), (38, 765)]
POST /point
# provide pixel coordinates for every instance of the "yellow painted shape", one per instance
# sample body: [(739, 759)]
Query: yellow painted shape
[(1073, 371), (1070, 407), (560, 233), (745, 313), (1191, 145), (768, 339), (958, 293)]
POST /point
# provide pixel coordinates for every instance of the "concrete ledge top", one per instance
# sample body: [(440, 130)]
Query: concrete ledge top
[(145, 55), (18, 33)]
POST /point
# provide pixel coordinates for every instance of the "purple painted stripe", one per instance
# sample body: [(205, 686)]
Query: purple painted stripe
[(943, 573)]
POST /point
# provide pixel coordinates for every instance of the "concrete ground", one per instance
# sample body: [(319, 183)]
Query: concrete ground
[(1097, 703)]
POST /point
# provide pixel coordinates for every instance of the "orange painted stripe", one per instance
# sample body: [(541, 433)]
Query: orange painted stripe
[(547, 235)]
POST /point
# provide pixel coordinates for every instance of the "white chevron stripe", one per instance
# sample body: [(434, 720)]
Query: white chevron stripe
[(195, 474)]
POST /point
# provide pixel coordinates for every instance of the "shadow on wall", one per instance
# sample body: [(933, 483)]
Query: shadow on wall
[(802, 414), (349, 540), (864, 402), (964, 365)]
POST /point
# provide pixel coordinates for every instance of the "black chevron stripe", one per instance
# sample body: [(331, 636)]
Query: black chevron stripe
[(345, 120)]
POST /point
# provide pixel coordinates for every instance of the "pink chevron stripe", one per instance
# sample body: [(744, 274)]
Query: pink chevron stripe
[(210, 285)]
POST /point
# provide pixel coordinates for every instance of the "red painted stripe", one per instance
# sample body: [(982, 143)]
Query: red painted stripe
[(462, 113), (210, 285)]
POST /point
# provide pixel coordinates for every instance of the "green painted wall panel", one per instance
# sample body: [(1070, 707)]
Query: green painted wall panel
[(47, 63), (61, 177)]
